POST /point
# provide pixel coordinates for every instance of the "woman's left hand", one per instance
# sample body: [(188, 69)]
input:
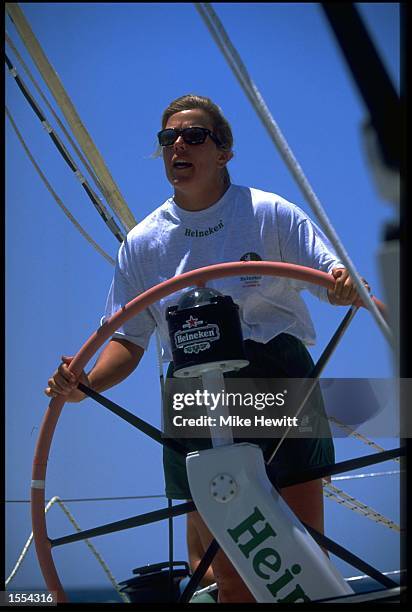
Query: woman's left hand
[(344, 292)]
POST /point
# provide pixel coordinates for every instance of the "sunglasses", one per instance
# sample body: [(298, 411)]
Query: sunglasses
[(190, 135)]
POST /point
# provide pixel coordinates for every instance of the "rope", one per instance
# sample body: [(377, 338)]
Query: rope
[(348, 557), (86, 143), (55, 115), (56, 197), (370, 475), (330, 469), (109, 221), (344, 499), (92, 499), (93, 549), (339, 496), (359, 436), (230, 53), (362, 576)]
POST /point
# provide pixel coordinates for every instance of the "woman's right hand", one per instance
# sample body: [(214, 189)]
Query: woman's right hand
[(63, 382)]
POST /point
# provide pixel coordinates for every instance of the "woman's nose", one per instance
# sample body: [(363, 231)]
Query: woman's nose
[(179, 143)]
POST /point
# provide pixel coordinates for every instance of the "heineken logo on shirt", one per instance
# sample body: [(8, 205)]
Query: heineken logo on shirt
[(196, 233), (251, 257), (250, 281)]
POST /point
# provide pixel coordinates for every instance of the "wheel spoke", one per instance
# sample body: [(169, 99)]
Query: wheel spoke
[(135, 521), (134, 420)]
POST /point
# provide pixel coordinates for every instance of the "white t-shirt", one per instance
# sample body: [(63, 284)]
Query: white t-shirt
[(245, 224)]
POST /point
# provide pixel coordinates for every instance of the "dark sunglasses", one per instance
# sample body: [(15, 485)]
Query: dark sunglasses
[(190, 135)]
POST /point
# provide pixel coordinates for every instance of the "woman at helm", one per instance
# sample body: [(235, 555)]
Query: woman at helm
[(209, 220)]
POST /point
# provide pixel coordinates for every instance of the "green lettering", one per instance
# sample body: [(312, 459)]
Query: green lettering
[(296, 595), (280, 583), (257, 536), (275, 587), (262, 558)]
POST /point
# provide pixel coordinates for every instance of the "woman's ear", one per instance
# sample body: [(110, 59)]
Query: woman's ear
[(224, 157)]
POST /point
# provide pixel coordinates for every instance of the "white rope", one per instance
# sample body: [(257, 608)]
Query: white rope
[(344, 499), (93, 549), (93, 499), (363, 576), (332, 492), (56, 197), (369, 475), (360, 437), (221, 38)]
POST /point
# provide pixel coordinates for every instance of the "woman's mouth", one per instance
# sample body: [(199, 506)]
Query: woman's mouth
[(181, 165)]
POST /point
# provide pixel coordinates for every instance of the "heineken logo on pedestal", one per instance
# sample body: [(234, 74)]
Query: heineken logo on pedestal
[(255, 538), (196, 335)]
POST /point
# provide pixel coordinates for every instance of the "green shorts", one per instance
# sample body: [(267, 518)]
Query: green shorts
[(285, 356)]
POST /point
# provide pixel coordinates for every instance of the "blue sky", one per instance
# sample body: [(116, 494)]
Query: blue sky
[(121, 64)]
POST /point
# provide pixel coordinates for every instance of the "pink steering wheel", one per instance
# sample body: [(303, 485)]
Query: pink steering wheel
[(97, 339)]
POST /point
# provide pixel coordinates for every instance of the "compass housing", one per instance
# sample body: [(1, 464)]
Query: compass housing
[(205, 333)]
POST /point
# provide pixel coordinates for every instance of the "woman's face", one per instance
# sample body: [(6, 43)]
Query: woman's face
[(201, 165)]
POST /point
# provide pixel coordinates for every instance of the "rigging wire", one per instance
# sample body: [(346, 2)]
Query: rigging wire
[(334, 493), (52, 80), (92, 499), (110, 221), (66, 211), (224, 43), (55, 115), (161, 495), (330, 491), (105, 180), (369, 475), (359, 436), (91, 546)]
